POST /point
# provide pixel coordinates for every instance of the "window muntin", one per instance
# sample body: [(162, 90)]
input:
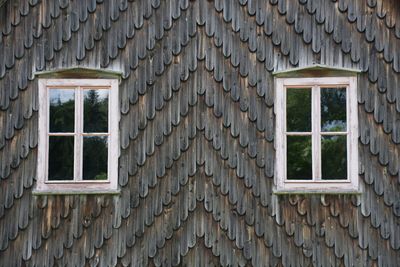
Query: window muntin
[(316, 134), (78, 135)]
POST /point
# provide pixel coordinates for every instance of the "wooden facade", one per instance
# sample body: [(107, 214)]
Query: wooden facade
[(196, 166)]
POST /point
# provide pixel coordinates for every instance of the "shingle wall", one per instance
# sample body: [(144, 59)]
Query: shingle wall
[(197, 133)]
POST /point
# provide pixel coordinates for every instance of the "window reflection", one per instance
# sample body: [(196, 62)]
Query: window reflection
[(61, 158), (95, 111), (298, 108), (333, 109), (62, 110), (299, 158), (334, 157), (95, 157)]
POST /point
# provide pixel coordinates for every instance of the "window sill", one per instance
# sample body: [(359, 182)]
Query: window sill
[(83, 191), (322, 191)]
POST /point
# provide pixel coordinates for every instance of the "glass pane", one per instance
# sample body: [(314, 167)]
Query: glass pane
[(334, 157), (95, 111), (61, 158), (62, 110), (299, 158), (298, 109), (333, 109), (95, 157)]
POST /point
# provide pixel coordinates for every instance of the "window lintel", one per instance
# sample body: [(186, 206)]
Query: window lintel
[(79, 73), (315, 71)]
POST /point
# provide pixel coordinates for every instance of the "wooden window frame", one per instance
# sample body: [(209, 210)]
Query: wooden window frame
[(78, 186), (316, 185)]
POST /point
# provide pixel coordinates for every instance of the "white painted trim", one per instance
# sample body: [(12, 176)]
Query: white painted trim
[(322, 191), (298, 133), (102, 83), (301, 82), (113, 145), (334, 133), (315, 126), (61, 134), (316, 184), (320, 181), (78, 138), (352, 125), (78, 186), (42, 136), (95, 134), (280, 142)]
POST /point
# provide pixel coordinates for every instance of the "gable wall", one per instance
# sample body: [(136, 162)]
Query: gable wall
[(197, 133)]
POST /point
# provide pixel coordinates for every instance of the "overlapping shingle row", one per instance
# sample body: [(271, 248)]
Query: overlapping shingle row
[(197, 132)]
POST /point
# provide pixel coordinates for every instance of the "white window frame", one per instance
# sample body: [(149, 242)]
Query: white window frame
[(316, 185), (77, 185)]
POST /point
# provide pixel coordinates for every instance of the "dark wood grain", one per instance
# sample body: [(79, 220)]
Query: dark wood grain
[(197, 133)]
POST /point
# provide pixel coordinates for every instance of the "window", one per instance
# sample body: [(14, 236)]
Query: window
[(78, 136), (316, 135)]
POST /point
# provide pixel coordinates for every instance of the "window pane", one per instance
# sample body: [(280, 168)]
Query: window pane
[(333, 109), (298, 109), (61, 158), (95, 157), (334, 157), (95, 111), (62, 110), (299, 158)]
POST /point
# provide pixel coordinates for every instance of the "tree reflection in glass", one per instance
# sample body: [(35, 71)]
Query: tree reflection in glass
[(333, 109), (61, 158), (95, 157), (95, 111), (299, 158), (62, 110), (298, 109), (334, 157)]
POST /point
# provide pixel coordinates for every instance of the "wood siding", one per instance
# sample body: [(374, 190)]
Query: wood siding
[(197, 133)]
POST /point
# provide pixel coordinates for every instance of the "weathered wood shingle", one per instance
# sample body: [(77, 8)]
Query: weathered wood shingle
[(197, 133)]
